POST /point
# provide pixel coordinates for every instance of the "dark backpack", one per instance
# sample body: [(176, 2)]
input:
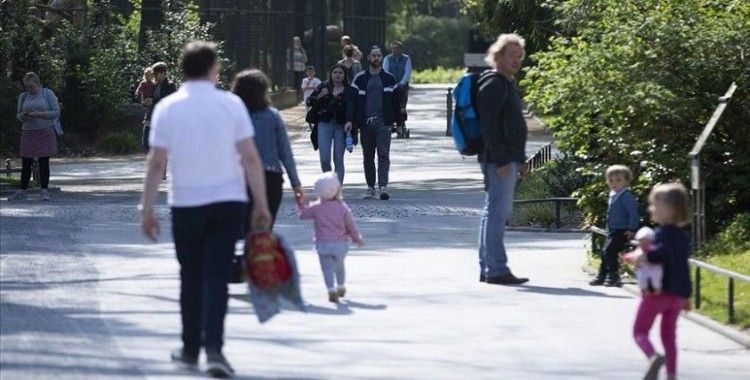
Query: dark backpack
[(467, 134)]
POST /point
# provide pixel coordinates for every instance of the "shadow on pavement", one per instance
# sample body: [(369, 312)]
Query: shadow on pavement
[(566, 291)]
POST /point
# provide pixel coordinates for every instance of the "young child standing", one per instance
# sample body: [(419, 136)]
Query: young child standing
[(669, 206), (309, 84), (334, 227), (622, 222)]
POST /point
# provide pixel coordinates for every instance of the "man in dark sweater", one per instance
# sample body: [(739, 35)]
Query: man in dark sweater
[(164, 88), (504, 156), (372, 106)]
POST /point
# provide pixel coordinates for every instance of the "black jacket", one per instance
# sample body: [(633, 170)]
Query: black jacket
[(167, 88), (501, 118), (329, 108), (355, 112)]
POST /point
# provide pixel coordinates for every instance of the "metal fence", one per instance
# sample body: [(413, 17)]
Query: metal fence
[(364, 21), (256, 33)]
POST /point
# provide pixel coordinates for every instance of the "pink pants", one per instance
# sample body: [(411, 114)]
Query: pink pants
[(669, 306)]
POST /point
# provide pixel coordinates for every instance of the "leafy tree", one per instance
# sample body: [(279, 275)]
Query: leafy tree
[(92, 64), (535, 20), (636, 85), (436, 41)]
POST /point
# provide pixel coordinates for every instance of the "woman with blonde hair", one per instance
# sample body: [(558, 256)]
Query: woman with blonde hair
[(37, 110)]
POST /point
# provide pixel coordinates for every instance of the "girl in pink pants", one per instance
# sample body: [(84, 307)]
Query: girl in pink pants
[(669, 206)]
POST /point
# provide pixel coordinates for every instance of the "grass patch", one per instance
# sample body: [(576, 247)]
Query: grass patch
[(714, 289), (120, 143), (11, 182), (437, 75)]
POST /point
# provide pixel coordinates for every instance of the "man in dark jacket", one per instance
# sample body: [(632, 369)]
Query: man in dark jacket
[(504, 156), (164, 88), (374, 100)]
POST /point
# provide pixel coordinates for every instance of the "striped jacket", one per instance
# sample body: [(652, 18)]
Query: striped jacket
[(355, 110)]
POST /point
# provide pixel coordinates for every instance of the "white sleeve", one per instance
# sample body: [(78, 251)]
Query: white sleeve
[(407, 72), (158, 136), (244, 126), (304, 83)]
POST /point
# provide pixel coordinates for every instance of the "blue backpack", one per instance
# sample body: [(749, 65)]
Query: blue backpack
[(467, 134)]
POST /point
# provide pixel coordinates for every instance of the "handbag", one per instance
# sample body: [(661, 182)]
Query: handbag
[(266, 262), (314, 136), (56, 125)]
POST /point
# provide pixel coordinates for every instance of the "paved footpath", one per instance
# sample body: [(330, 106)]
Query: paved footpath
[(82, 295)]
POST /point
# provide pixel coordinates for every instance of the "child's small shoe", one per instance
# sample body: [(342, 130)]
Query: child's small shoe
[(341, 291), (654, 365), (333, 295)]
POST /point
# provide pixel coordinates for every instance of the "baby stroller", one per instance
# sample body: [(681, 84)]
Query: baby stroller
[(399, 128)]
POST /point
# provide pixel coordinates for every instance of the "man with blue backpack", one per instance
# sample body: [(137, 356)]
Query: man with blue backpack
[(489, 122)]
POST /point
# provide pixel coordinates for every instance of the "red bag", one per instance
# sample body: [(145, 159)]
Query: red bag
[(265, 260)]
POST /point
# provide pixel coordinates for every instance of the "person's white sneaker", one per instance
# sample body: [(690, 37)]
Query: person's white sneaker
[(369, 194), (19, 195), (45, 195)]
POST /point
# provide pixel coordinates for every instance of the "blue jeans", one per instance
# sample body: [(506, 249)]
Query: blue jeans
[(332, 255), (331, 133), (493, 261), (376, 136), (204, 238)]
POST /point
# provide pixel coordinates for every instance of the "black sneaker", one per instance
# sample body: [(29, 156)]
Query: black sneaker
[(599, 281), (188, 361), (384, 196), (613, 282), (507, 279), (218, 366)]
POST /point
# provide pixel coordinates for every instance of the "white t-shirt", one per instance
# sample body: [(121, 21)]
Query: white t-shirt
[(308, 86), (199, 126)]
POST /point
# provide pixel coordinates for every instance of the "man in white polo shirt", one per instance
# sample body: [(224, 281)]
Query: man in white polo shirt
[(208, 137)]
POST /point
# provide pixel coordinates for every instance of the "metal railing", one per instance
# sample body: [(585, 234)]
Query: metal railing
[(541, 157), (697, 182), (698, 267)]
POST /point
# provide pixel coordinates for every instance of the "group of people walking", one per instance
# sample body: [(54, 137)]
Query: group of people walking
[(222, 190)]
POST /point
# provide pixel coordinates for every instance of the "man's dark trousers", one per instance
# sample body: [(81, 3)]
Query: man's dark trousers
[(204, 238), (376, 136)]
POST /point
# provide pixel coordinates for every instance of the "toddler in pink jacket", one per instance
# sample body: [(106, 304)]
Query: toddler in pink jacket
[(334, 228)]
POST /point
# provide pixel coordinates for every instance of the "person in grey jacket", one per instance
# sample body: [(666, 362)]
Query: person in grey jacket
[(37, 110), (503, 157), (271, 138)]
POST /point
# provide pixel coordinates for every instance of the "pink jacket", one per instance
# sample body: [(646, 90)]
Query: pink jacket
[(333, 221)]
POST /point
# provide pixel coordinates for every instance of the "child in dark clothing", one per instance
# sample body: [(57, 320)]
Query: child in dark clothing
[(622, 222), (669, 206)]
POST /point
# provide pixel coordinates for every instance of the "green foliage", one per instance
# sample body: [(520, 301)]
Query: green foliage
[(734, 239), (554, 179), (181, 25), (535, 20), (120, 143), (433, 41), (93, 65), (637, 84), (437, 75)]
